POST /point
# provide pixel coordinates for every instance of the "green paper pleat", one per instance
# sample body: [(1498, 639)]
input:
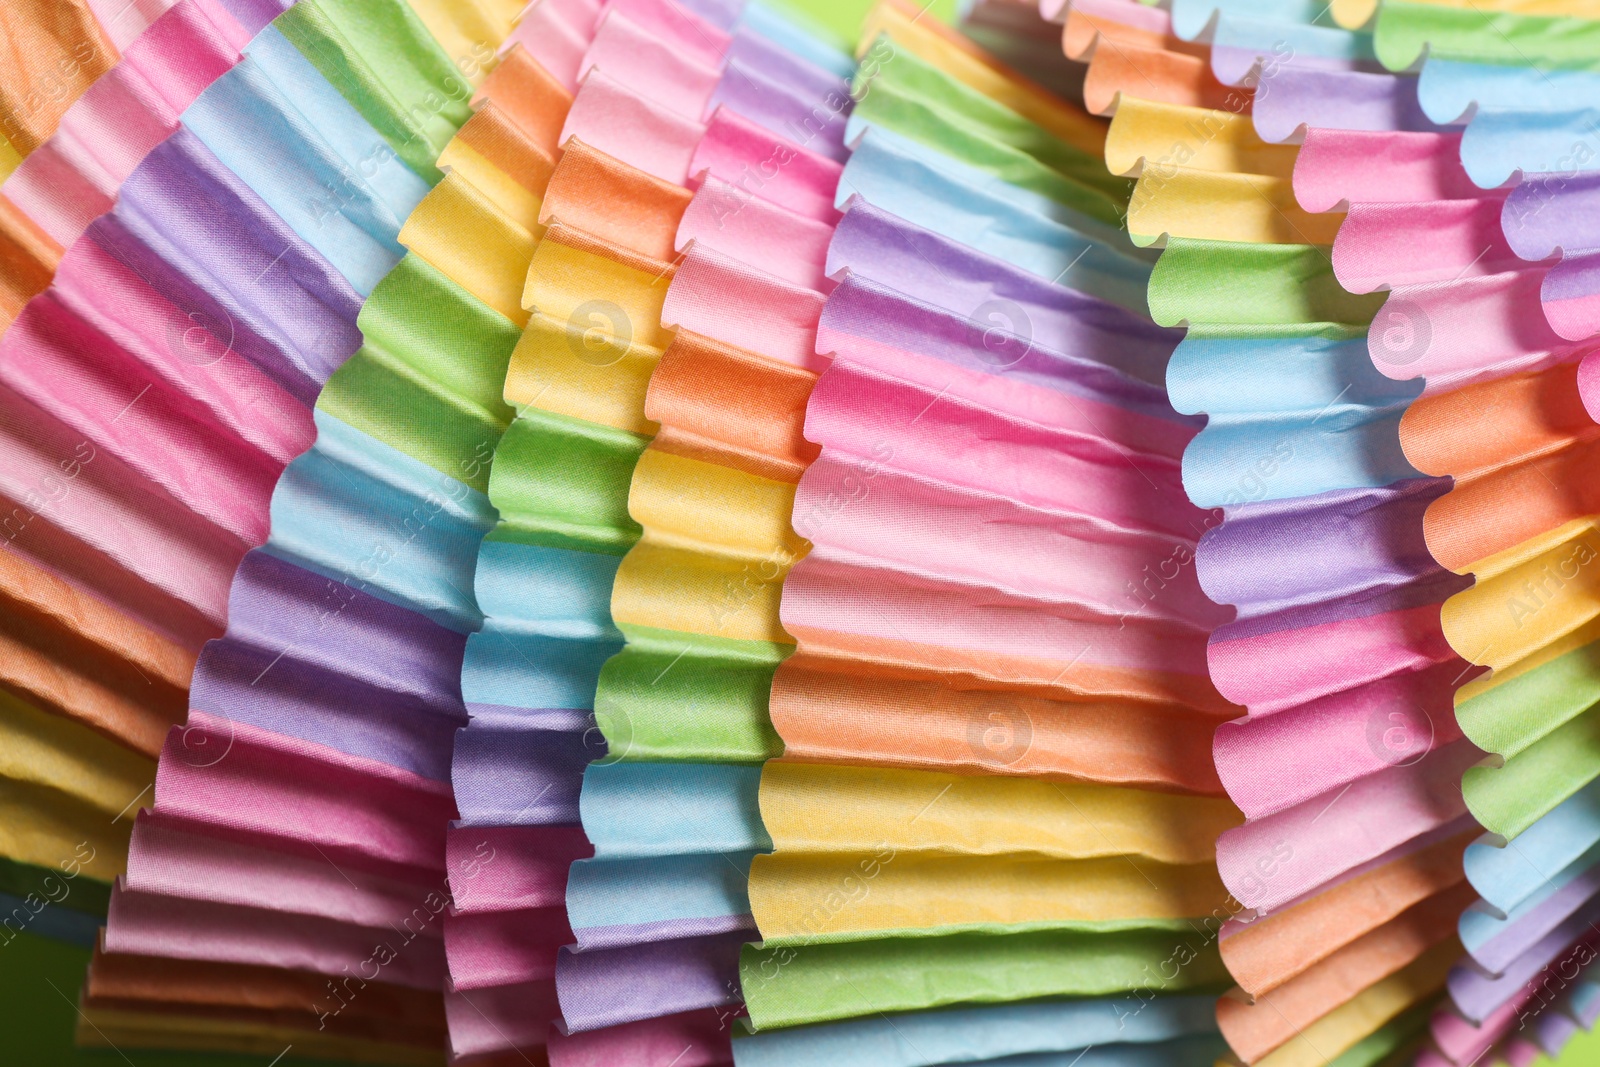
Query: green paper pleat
[(689, 697), (914, 118), (1252, 290), (382, 59), (1507, 800), (1515, 714), (1473, 35), (1582, 1051), (793, 985), (911, 79), (563, 483), (427, 381)]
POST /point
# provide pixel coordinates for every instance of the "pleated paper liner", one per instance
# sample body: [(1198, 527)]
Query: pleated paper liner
[(1380, 244), (879, 689), (1463, 266), (667, 157), (165, 236), (94, 676), (103, 672), (1301, 443), (599, 284)]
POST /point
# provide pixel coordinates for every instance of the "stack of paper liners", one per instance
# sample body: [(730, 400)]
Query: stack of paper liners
[(81, 726), (1346, 766), (649, 307), (78, 737), (212, 302), (180, 856), (103, 618), (103, 628), (586, 1005), (92, 652), (1501, 413), (996, 784), (97, 662)]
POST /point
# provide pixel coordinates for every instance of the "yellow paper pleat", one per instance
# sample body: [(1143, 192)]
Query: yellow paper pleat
[(49, 750), (689, 503), (813, 807), (1518, 610), (459, 230), (692, 592), (469, 31), (501, 189), (798, 895), (716, 548), (1353, 14), (1159, 135), (10, 159), (578, 369), (567, 283), (46, 828), (1244, 208), (1582, 637)]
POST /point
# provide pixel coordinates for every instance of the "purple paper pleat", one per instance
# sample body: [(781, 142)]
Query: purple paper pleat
[(607, 987), (769, 102), (203, 239), (254, 15), (1366, 543), (1296, 96), (357, 673), (515, 774), (1127, 346)]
